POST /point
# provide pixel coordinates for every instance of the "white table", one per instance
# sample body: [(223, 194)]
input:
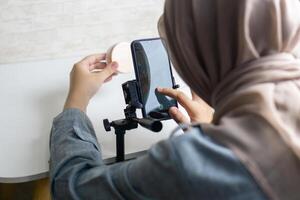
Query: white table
[(32, 94)]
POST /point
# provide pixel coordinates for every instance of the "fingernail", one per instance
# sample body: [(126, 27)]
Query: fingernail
[(114, 65), (159, 89)]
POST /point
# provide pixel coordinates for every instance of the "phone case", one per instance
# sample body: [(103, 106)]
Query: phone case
[(164, 114)]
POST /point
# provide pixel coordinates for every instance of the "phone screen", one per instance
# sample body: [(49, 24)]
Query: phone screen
[(152, 68)]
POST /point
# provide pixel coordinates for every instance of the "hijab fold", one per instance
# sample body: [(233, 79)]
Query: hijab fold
[(243, 58)]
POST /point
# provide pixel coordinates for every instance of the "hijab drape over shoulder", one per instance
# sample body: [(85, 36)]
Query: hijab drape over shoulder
[(243, 58)]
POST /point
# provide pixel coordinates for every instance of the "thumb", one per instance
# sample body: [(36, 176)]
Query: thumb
[(178, 116), (108, 71)]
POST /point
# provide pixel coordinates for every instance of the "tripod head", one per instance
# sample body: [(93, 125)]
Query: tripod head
[(131, 121)]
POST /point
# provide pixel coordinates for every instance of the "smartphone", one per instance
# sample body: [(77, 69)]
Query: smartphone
[(153, 69)]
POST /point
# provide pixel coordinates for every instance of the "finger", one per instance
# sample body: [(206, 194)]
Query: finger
[(184, 100), (108, 79), (108, 71), (99, 65), (92, 59), (178, 116)]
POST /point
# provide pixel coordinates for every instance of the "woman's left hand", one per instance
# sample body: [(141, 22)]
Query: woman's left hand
[(86, 78)]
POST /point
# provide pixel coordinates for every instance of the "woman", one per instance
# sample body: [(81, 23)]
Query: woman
[(239, 56)]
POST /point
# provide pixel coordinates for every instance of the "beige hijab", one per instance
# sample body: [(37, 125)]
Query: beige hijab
[(243, 58)]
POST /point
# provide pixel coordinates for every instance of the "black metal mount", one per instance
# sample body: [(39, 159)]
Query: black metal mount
[(131, 121)]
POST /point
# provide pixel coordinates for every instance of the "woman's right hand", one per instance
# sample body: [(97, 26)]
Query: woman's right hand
[(198, 110)]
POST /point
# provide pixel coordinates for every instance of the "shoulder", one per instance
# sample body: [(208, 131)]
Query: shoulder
[(193, 151), (197, 147), (206, 163)]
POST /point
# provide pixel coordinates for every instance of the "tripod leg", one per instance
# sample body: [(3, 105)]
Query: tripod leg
[(120, 146)]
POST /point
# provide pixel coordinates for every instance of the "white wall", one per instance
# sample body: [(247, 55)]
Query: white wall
[(47, 29), (39, 42)]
